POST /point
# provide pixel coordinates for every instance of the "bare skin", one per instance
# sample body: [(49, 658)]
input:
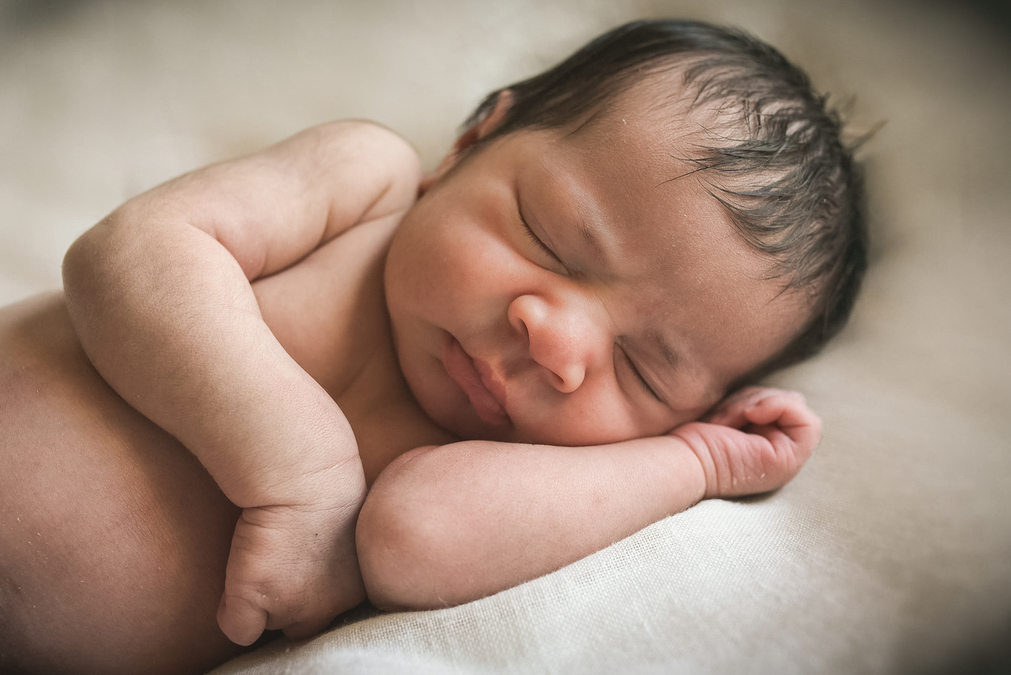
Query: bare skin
[(106, 518), (243, 309), (138, 522)]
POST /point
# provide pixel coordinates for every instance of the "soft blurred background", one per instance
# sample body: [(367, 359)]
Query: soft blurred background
[(908, 550), (100, 99)]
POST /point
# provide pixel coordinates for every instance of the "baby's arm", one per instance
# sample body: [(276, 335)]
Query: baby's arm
[(445, 525), (159, 293)]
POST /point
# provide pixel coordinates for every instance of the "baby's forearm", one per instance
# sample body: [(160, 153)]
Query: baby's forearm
[(160, 296), (181, 339), (450, 524)]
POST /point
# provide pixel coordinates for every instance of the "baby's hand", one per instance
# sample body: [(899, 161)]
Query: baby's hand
[(292, 568), (755, 441)]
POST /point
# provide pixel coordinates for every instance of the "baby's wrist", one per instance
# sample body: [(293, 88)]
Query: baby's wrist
[(684, 476), (699, 460)]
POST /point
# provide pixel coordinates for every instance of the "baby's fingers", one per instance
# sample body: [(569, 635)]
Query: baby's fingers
[(731, 412), (290, 569), (241, 620), (787, 411)]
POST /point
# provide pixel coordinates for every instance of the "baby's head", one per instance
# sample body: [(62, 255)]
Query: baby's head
[(617, 242), (772, 152)]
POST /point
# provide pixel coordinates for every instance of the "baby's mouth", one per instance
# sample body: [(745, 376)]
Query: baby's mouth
[(461, 369)]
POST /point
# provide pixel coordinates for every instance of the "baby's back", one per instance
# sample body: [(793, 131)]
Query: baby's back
[(105, 516)]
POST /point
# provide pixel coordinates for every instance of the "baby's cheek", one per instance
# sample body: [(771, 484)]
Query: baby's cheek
[(602, 423)]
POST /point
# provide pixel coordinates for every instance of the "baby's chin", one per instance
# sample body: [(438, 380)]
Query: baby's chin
[(461, 421), (458, 421), (475, 429), (542, 435)]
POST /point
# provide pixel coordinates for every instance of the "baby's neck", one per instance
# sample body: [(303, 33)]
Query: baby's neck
[(329, 313)]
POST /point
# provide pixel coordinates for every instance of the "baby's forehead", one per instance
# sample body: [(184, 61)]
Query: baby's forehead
[(665, 236), (670, 105), (651, 154)]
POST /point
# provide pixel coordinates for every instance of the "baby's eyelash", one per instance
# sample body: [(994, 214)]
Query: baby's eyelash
[(643, 383), (536, 240)]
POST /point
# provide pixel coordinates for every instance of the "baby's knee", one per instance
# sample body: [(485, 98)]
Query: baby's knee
[(128, 599), (113, 538), (110, 566)]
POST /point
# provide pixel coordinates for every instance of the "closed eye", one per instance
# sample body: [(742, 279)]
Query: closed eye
[(537, 240), (639, 378)]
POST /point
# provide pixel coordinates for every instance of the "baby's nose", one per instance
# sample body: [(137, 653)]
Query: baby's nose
[(560, 337)]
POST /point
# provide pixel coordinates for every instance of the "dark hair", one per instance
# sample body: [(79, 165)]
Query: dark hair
[(780, 166)]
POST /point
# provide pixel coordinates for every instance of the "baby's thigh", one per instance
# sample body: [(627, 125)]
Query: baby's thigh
[(113, 539)]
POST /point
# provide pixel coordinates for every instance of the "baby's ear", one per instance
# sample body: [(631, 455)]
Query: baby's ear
[(474, 133), (486, 125)]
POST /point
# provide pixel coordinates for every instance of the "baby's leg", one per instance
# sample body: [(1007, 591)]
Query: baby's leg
[(113, 539)]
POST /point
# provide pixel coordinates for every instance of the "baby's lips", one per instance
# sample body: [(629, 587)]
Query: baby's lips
[(491, 382), (462, 369)]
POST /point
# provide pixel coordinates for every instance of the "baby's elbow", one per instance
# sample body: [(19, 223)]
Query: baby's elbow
[(399, 560), (78, 262), (95, 260), (380, 556)]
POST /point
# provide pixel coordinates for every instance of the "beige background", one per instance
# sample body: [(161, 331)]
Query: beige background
[(892, 550)]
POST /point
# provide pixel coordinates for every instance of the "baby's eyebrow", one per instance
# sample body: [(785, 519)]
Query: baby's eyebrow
[(590, 220), (663, 346), (592, 238)]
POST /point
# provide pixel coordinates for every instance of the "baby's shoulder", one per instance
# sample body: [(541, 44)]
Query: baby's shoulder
[(367, 170), (365, 142)]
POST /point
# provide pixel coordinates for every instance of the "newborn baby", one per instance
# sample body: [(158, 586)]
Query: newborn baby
[(283, 384)]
